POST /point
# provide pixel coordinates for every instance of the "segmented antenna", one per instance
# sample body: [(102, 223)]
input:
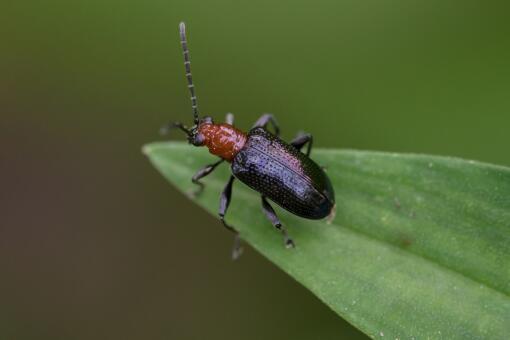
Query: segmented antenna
[(187, 65)]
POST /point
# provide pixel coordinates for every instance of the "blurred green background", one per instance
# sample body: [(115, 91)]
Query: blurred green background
[(94, 244)]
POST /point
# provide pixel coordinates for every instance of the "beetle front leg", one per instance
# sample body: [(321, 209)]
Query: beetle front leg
[(300, 140), (206, 170), (225, 198), (174, 125), (264, 120), (271, 215)]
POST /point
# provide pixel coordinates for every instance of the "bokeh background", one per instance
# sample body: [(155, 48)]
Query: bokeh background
[(94, 244)]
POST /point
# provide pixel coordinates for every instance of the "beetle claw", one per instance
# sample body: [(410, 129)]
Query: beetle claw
[(237, 249), (236, 253), (289, 243), (193, 194)]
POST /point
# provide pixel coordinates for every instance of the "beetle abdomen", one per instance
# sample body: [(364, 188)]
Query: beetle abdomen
[(284, 174)]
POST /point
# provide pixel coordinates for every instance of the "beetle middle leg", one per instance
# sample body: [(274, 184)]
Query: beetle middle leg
[(271, 215), (300, 140), (225, 198), (264, 120), (229, 118), (206, 170)]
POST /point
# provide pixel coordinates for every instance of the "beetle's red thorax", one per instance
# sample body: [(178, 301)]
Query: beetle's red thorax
[(223, 140)]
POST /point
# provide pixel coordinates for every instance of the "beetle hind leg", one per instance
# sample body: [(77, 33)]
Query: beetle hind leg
[(271, 215), (206, 170), (225, 198)]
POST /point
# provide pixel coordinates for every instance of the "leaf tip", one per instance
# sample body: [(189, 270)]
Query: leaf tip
[(146, 149)]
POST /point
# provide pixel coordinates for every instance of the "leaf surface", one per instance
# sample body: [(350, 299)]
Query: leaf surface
[(419, 248)]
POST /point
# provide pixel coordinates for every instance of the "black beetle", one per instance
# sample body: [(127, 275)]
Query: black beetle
[(277, 170)]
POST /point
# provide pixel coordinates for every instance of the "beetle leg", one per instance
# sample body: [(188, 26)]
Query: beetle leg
[(271, 215), (300, 140), (206, 170), (332, 215), (229, 118), (264, 120), (226, 195), (174, 125)]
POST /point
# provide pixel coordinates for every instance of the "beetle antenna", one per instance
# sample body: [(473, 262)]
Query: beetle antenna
[(187, 65)]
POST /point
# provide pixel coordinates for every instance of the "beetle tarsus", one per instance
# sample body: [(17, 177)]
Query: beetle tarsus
[(206, 170), (271, 216), (225, 198), (332, 215), (165, 129), (237, 249), (289, 243)]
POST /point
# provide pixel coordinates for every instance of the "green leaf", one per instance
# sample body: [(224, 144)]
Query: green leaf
[(419, 248)]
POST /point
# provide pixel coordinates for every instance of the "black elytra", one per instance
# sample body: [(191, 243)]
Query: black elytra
[(279, 171), (284, 174)]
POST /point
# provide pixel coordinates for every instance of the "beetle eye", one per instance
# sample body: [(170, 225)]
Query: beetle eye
[(198, 139)]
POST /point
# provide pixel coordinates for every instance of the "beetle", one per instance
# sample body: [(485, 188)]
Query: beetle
[(279, 171)]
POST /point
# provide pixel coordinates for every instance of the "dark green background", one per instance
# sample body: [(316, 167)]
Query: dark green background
[(94, 244)]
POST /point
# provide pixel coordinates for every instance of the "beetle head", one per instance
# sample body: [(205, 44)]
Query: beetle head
[(194, 136)]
